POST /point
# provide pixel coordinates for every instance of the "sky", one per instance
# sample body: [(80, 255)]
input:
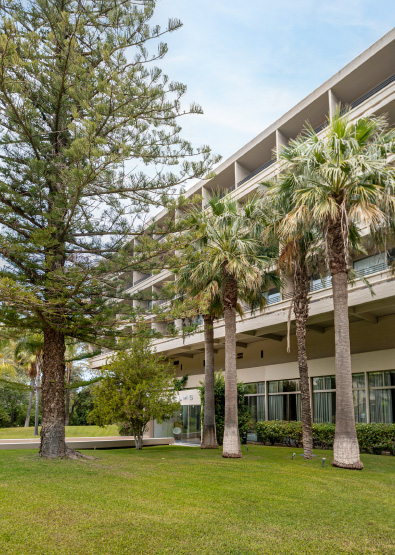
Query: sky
[(247, 62)]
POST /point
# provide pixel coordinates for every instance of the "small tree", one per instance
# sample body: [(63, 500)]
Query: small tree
[(137, 387)]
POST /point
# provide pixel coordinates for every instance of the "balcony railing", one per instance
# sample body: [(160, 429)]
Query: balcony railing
[(142, 279), (373, 269), (325, 282), (372, 92), (227, 191), (317, 284), (255, 172)]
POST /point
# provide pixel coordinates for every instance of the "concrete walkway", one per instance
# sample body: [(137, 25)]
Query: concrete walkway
[(111, 442)]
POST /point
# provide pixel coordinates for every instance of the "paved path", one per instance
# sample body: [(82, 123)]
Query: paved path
[(86, 442)]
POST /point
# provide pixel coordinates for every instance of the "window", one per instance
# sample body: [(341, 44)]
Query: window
[(255, 400), (284, 400), (382, 396), (186, 422), (324, 399), (359, 397)]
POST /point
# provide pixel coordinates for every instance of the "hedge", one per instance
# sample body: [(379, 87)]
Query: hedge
[(373, 438)]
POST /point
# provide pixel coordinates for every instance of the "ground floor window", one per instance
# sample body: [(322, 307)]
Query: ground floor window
[(284, 400), (382, 396), (255, 400), (184, 426), (359, 397), (324, 399)]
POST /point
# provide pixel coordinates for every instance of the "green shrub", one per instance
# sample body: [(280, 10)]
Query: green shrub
[(373, 438), (323, 435)]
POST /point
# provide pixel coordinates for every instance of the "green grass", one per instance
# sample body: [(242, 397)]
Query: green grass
[(71, 431), (182, 500)]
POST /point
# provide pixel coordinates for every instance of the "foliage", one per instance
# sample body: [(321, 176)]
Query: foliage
[(80, 97), (373, 438), (82, 407), (180, 383), (137, 387), (219, 393), (5, 419)]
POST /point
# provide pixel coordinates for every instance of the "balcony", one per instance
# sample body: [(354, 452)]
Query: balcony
[(142, 279)]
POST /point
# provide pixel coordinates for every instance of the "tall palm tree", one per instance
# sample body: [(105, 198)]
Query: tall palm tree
[(299, 254), (235, 254), (205, 289), (337, 180)]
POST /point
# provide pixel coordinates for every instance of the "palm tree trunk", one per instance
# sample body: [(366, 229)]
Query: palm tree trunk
[(231, 444), (37, 407), (209, 439), (29, 408), (38, 388), (67, 405), (301, 310), (52, 432), (345, 448)]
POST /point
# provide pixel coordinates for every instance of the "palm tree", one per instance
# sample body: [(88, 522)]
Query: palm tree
[(29, 349), (337, 180), (299, 255), (205, 289), (232, 252)]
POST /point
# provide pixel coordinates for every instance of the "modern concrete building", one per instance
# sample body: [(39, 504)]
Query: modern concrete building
[(367, 86)]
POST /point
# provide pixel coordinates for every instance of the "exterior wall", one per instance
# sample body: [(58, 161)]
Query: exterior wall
[(367, 85)]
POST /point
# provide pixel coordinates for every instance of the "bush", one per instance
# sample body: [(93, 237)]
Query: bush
[(373, 438)]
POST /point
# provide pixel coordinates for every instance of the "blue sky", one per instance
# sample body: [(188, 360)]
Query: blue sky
[(247, 62)]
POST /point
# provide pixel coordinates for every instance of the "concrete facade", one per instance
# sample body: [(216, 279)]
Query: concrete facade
[(367, 86)]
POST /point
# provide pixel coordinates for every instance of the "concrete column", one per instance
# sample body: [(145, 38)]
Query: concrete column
[(281, 140), (334, 103), (205, 198), (240, 172)]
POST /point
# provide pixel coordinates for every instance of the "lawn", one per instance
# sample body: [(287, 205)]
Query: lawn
[(71, 431), (182, 500)]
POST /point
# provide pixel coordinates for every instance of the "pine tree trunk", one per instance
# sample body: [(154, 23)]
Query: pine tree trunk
[(301, 310), (52, 432), (231, 444), (345, 448), (29, 408), (209, 439)]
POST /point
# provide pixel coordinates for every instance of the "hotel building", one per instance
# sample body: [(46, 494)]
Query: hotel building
[(367, 86)]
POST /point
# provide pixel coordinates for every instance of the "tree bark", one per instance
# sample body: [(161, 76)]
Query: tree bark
[(346, 447), (29, 408), (209, 439), (53, 400), (231, 444), (301, 310)]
